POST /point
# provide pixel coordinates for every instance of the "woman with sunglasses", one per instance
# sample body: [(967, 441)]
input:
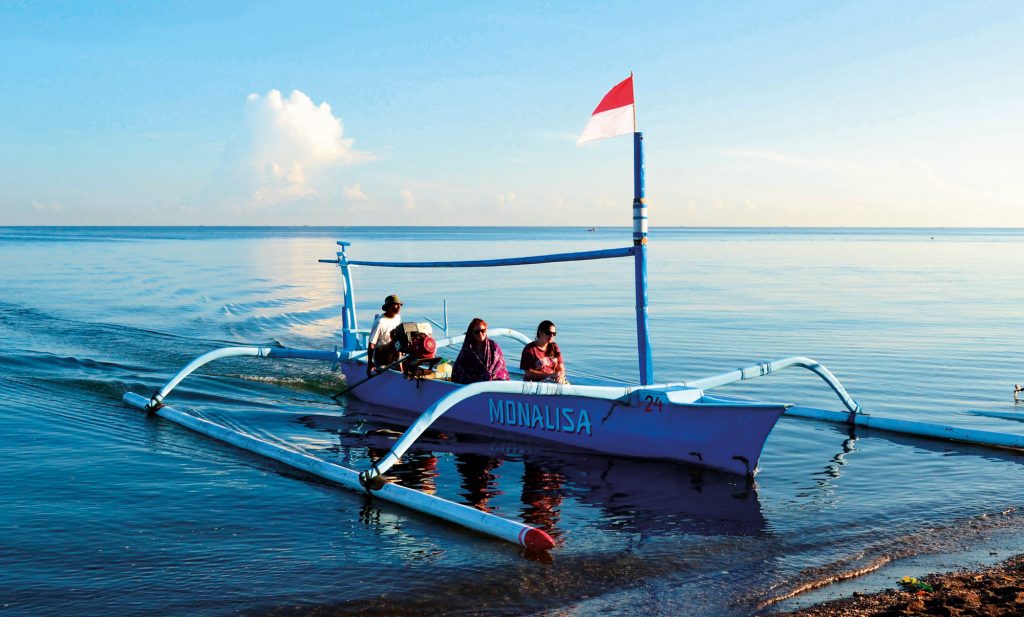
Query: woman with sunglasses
[(542, 359), (481, 358)]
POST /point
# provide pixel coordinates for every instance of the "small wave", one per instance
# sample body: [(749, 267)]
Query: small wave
[(258, 324), (322, 383), (37, 362), (249, 307), (33, 324)]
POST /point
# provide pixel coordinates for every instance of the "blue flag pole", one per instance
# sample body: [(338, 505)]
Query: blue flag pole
[(643, 331)]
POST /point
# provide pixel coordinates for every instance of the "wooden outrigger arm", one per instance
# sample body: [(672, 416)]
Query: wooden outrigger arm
[(766, 368), (156, 401)]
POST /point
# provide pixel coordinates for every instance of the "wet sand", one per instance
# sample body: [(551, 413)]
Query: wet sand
[(994, 591)]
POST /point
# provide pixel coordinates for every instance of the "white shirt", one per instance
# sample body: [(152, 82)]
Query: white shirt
[(380, 333)]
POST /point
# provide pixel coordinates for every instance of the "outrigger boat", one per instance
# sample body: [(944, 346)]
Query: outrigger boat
[(677, 421)]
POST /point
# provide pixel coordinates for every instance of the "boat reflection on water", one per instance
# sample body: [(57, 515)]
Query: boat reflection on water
[(654, 497), (541, 495), (478, 482), (418, 469), (649, 497), (630, 495), (542, 490)]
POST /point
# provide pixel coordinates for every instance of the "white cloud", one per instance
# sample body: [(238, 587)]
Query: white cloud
[(354, 193), (291, 148)]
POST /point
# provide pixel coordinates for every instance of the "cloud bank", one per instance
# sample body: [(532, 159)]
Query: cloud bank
[(292, 151)]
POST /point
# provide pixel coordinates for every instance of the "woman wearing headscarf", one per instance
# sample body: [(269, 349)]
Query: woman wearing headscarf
[(481, 358)]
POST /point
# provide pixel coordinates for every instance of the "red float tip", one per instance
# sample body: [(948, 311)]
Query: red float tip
[(536, 540)]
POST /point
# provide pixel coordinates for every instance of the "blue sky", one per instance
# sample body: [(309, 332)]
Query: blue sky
[(291, 113)]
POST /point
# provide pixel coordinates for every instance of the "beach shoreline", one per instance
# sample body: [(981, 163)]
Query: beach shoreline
[(992, 591)]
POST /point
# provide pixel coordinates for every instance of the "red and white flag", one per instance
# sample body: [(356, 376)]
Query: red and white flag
[(614, 114)]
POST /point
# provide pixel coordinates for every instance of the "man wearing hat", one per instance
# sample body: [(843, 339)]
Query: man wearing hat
[(380, 334)]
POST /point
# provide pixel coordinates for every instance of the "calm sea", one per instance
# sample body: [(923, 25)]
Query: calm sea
[(104, 511)]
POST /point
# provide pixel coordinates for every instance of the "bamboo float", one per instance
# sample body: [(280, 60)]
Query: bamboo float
[(912, 427)]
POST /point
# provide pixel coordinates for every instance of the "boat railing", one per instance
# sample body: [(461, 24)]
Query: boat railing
[(492, 332)]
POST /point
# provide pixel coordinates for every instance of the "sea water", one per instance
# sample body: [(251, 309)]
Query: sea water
[(105, 511)]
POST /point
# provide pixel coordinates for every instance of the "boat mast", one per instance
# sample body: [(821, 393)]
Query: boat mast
[(643, 332)]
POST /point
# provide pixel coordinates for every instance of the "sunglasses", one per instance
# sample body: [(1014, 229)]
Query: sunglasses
[(484, 331), (551, 333)]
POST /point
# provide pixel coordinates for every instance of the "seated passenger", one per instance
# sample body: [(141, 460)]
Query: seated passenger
[(481, 358), (542, 359), (379, 352)]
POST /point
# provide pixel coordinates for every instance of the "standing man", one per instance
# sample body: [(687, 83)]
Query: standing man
[(380, 334)]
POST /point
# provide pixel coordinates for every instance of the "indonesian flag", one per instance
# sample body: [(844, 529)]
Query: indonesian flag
[(614, 114)]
